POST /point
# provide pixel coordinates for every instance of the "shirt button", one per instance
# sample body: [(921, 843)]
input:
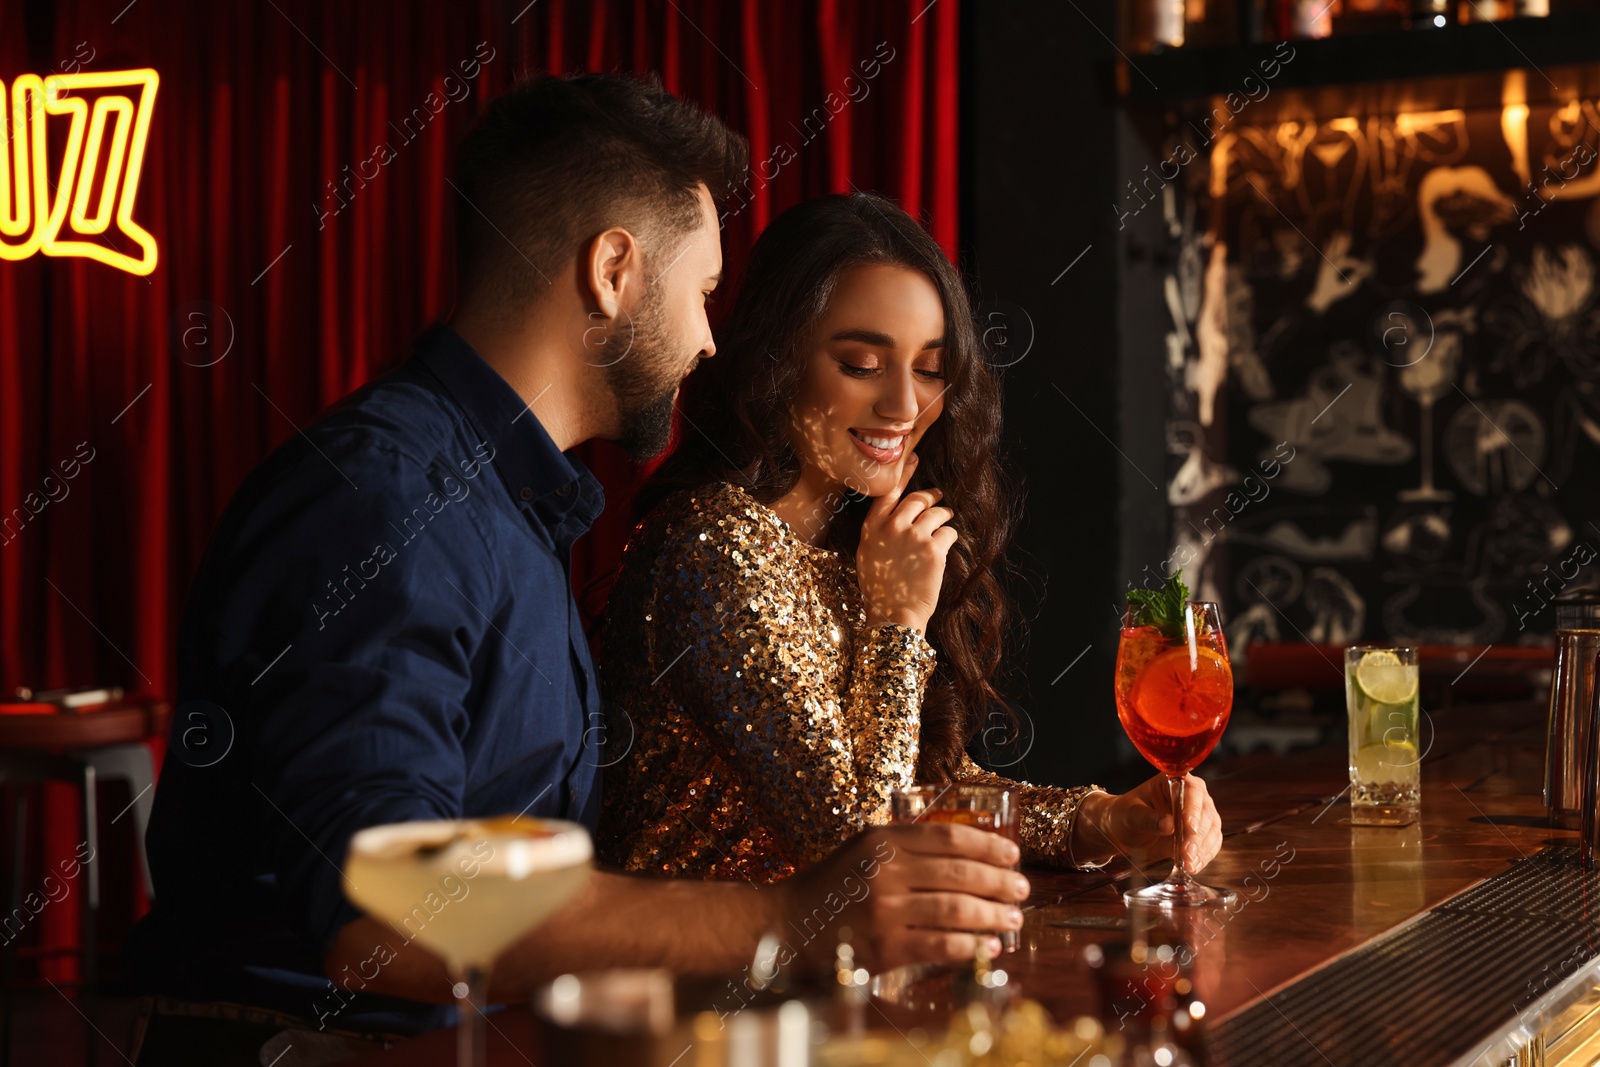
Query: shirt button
[(526, 493), (565, 489)]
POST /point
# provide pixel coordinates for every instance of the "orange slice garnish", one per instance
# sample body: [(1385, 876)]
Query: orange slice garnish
[(1179, 701)]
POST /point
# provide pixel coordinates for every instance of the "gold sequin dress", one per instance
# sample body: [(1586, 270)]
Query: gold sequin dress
[(763, 722)]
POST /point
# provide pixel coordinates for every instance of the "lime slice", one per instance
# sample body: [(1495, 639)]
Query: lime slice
[(1401, 755), (1385, 679), (1380, 763)]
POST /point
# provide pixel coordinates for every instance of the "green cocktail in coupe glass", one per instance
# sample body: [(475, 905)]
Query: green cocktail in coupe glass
[(466, 890)]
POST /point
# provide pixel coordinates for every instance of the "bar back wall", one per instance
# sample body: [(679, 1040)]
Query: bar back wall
[(1382, 417)]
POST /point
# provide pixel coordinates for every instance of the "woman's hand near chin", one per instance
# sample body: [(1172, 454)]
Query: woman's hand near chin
[(901, 556)]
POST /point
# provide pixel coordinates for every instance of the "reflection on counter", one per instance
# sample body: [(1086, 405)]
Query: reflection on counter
[(1387, 887)]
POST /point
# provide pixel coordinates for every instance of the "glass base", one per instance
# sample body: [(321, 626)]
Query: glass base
[(1382, 814), (1185, 894)]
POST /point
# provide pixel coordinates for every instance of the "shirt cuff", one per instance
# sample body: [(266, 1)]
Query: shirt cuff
[(344, 914)]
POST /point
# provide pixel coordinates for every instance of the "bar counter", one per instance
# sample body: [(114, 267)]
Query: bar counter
[(1331, 954), (1315, 890)]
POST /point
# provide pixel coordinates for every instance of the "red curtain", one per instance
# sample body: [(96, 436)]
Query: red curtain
[(298, 259)]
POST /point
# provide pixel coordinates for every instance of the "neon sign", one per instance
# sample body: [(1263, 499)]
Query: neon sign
[(34, 213)]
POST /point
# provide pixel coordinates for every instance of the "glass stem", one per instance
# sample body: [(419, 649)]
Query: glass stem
[(1178, 875), (470, 989)]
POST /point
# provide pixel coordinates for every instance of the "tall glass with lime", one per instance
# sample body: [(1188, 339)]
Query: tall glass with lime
[(1380, 685)]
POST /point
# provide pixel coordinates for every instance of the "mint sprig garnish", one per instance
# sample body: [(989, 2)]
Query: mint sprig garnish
[(1161, 608)]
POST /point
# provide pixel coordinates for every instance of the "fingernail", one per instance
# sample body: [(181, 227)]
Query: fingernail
[(994, 946), (1012, 852), (1020, 887), (1015, 918)]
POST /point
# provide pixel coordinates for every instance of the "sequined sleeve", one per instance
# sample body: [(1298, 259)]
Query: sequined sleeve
[(820, 757), (1048, 815)]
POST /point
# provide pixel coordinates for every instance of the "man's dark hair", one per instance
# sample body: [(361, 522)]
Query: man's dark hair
[(559, 159)]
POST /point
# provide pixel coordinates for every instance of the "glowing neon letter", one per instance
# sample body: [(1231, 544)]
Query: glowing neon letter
[(31, 221)]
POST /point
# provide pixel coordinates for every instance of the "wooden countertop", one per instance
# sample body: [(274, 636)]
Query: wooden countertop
[(1312, 886)]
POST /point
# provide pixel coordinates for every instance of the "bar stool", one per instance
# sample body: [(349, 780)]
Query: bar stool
[(40, 743)]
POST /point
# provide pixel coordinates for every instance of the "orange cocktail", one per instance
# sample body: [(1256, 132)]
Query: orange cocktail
[(1173, 699), (1174, 691)]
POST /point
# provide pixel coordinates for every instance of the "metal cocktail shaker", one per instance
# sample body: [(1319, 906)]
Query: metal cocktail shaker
[(1572, 696), (1589, 807)]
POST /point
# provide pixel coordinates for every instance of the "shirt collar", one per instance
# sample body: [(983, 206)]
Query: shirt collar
[(554, 485)]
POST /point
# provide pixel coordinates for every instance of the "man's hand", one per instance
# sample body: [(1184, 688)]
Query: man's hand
[(910, 893), (1138, 824), (925, 892)]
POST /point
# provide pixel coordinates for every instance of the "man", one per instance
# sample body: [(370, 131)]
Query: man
[(384, 620)]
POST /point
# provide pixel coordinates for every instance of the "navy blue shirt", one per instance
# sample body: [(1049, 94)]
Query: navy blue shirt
[(382, 629)]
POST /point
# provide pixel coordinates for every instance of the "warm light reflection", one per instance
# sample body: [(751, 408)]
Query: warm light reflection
[(32, 212), (1514, 127), (1407, 123)]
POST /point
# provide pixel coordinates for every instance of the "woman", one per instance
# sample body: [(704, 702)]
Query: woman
[(811, 613)]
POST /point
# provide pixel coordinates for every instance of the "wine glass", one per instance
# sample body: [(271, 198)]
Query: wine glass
[(1174, 690), (466, 890)]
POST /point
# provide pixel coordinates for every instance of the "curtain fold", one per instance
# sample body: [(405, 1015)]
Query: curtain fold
[(297, 185)]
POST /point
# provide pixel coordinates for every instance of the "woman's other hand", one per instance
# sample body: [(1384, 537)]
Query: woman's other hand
[(1139, 823)]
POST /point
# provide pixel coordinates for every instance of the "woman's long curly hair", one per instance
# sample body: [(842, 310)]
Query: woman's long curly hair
[(738, 413)]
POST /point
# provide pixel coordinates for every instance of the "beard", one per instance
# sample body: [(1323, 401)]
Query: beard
[(645, 380)]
